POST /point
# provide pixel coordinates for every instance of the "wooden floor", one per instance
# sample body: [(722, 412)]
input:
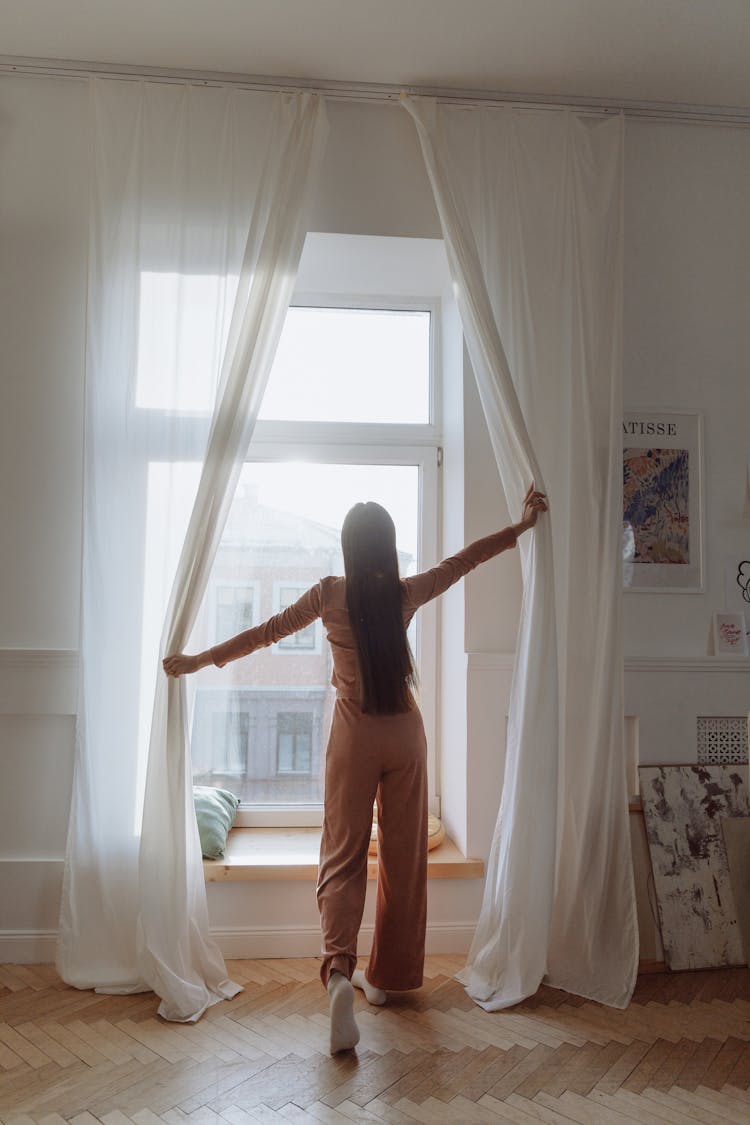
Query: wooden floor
[(680, 1054)]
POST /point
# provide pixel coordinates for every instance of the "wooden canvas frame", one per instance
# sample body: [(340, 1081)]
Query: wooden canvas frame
[(683, 808)]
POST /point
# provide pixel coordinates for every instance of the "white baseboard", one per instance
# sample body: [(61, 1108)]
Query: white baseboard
[(292, 941), (37, 947), (28, 947)]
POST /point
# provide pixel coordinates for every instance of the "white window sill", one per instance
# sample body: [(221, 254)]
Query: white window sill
[(292, 854)]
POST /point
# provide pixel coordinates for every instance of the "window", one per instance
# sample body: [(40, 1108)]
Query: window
[(234, 610), (294, 741), (350, 413), (351, 365), (230, 735), (265, 746), (305, 639)]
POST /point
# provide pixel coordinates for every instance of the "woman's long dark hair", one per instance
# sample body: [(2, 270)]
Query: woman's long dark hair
[(373, 598)]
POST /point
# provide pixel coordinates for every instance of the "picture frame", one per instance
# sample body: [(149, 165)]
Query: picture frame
[(730, 634), (663, 545)]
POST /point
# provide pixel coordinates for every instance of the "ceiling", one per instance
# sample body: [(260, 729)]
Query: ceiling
[(678, 51)]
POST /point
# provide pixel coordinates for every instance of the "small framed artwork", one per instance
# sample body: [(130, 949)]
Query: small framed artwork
[(662, 502), (730, 634)]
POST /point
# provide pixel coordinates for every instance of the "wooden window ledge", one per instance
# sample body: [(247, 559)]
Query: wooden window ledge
[(292, 853)]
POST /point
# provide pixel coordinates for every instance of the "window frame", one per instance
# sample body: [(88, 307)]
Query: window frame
[(344, 271), (267, 429), (385, 443), (426, 458)]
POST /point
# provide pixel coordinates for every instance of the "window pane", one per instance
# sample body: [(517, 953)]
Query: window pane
[(285, 745), (294, 741), (260, 724), (229, 737), (234, 610), (351, 365), (305, 638)]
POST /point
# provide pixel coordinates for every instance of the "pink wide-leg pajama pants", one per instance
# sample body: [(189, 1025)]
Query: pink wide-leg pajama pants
[(373, 757)]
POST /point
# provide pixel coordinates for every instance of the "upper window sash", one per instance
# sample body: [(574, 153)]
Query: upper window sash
[(191, 426)]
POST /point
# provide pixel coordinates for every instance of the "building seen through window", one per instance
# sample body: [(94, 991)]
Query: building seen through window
[(294, 741), (305, 638), (234, 610), (260, 724)]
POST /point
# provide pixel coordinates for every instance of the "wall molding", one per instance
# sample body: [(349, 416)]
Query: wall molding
[(490, 661), (688, 664), (504, 662), (38, 681), (304, 941), (57, 659), (29, 947), (66, 661)]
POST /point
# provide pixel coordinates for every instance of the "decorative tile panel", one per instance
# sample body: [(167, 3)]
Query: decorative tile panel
[(722, 738)]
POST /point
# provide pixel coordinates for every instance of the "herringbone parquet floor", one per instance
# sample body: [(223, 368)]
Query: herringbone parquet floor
[(679, 1054)]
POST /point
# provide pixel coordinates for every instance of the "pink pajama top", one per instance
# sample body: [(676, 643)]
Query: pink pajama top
[(327, 600)]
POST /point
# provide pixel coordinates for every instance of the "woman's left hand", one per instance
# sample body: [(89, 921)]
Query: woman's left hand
[(180, 664), (534, 502)]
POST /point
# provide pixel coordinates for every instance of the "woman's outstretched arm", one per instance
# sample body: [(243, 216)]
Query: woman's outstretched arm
[(295, 617), (421, 588)]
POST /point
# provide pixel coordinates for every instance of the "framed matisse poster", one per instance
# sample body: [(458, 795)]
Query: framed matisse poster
[(662, 502)]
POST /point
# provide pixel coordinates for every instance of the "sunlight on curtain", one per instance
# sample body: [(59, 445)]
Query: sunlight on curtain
[(189, 184), (530, 205)]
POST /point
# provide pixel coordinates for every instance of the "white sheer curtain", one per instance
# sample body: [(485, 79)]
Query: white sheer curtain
[(530, 205), (198, 217)]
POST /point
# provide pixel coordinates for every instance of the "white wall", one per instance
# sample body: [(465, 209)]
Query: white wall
[(373, 179), (687, 348), (687, 339), (44, 216)]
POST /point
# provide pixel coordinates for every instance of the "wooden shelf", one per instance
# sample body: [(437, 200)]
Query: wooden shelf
[(292, 853)]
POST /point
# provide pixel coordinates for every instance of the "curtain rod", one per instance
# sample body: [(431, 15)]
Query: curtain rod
[(376, 92)]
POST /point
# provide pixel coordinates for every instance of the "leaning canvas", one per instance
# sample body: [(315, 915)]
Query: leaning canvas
[(737, 842), (683, 807)]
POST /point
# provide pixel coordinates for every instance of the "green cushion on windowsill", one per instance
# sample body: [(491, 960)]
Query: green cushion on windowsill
[(215, 810)]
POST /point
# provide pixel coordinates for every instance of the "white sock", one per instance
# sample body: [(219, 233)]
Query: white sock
[(344, 1030), (374, 995)]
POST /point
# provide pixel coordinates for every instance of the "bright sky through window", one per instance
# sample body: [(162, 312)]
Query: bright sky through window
[(332, 364), (351, 365), (325, 493)]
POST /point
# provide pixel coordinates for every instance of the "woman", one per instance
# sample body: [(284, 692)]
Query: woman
[(376, 750)]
